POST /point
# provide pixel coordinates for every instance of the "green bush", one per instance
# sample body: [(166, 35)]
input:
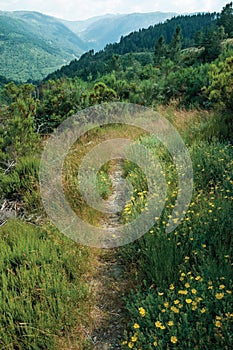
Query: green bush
[(21, 183), (185, 300), (42, 290)]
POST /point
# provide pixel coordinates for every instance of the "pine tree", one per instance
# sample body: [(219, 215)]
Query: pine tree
[(160, 50), (175, 45), (212, 44), (226, 19)]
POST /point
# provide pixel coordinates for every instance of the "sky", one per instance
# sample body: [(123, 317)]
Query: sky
[(83, 9)]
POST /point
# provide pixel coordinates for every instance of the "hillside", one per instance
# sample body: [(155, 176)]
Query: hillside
[(116, 196), (32, 45), (99, 31), (143, 40)]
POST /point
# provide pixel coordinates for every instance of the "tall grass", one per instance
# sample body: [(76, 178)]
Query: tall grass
[(184, 300), (43, 295)]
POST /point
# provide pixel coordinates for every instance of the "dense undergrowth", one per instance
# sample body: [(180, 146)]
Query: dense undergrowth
[(182, 297), (43, 291), (183, 293)]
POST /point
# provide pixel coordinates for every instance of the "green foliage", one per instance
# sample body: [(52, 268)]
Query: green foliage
[(20, 183), (34, 45), (17, 133), (193, 314), (220, 94), (212, 44), (42, 287), (160, 50), (225, 19), (186, 295), (91, 64), (59, 100), (101, 93), (220, 91), (175, 45), (104, 183)]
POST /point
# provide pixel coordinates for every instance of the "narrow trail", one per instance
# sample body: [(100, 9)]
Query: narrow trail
[(111, 280)]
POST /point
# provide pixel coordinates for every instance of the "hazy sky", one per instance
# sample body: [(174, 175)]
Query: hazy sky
[(82, 9)]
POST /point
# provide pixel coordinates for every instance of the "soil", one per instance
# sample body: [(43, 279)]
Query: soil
[(112, 280)]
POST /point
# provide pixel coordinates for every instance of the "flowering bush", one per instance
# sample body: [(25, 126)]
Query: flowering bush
[(185, 300)]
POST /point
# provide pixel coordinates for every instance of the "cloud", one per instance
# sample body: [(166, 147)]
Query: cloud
[(79, 9)]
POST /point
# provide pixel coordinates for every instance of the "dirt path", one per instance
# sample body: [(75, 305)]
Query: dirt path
[(111, 280)]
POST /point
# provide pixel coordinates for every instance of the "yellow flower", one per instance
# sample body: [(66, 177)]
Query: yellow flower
[(160, 293), (203, 310), (124, 342), (158, 324), (170, 323), (218, 324), (184, 292), (187, 285), (134, 338), (194, 291), (219, 296), (172, 287), (174, 340), (221, 286), (163, 310), (197, 278), (136, 326), (175, 310), (130, 345), (142, 311), (155, 343), (176, 302), (188, 301), (218, 318), (166, 304)]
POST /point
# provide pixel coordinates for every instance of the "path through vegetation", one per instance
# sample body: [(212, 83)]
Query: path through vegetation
[(111, 280)]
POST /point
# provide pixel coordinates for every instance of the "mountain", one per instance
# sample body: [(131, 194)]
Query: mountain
[(99, 31), (141, 43), (32, 45)]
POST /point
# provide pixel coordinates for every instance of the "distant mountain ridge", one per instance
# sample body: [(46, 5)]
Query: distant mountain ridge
[(33, 45), (99, 31), (137, 43)]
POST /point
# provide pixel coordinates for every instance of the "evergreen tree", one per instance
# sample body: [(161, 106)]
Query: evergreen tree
[(160, 50), (226, 19), (17, 134), (175, 45), (212, 44)]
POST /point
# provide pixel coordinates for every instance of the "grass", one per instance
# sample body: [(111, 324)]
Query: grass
[(182, 295), (44, 295), (183, 291), (73, 161)]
